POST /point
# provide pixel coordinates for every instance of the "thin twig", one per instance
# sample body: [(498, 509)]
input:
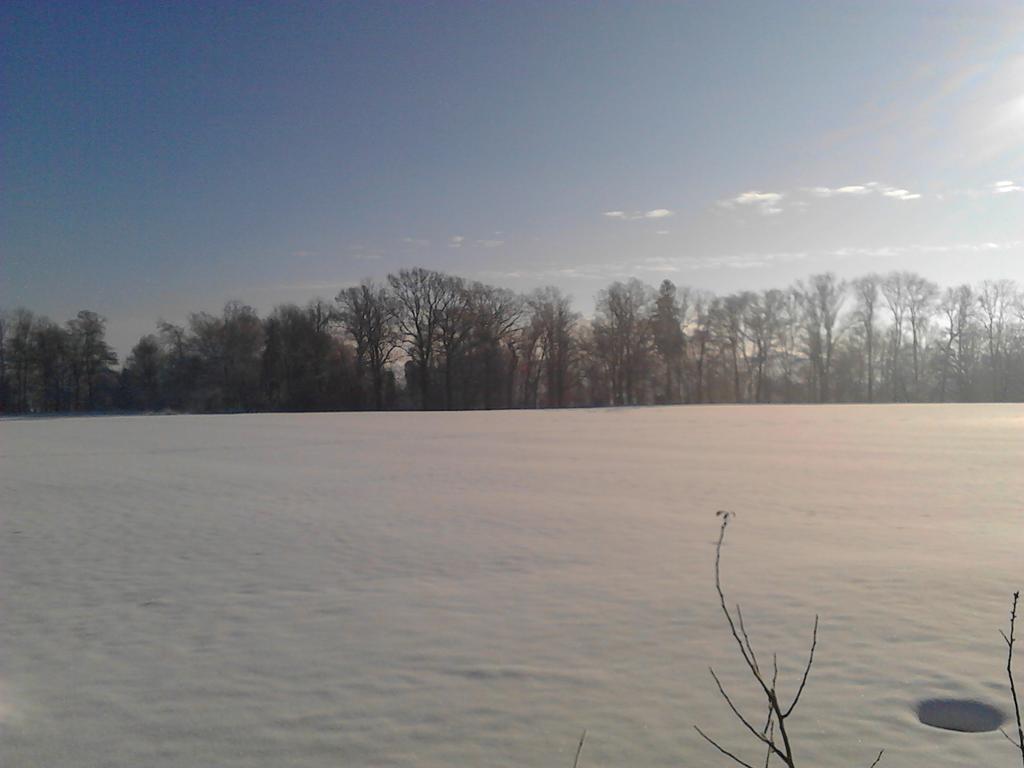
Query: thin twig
[(1009, 673), (807, 669), (877, 759), (761, 736), (721, 598), (579, 748), (743, 629), (771, 733), (720, 748)]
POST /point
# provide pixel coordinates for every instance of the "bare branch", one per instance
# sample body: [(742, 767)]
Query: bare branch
[(721, 598), (746, 638), (770, 730), (759, 735), (807, 669), (720, 748), (877, 759), (787, 757), (1009, 673)]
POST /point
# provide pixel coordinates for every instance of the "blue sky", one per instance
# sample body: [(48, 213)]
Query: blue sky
[(162, 158)]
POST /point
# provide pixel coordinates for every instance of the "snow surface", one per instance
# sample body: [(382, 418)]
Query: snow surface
[(474, 589)]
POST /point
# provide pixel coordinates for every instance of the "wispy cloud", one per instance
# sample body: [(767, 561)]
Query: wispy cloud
[(490, 243), (456, 241), (1003, 187), (416, 241), (861, 190), (851, 189), (773, 203), (654, 213), (757, 198), (900, 194), (765, 203)]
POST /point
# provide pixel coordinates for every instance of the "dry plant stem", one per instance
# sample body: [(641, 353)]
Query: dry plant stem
[(579, 748), (775, 724), (1009, 673)]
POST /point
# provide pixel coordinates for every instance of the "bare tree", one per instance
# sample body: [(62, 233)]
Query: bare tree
[(55, 359), (995, 299), (299, 357), (920, 295), (206, 342), (532, 361), (894, 290), (420, 295), (957, 309), (177, 377), (555, 322), (623, 327), (705, 309), (143, 372), (866, 290), (241, 347), (496, 315), (92, 355), (454, 330), (368, 312), (667, 327), (733, 332), (786, 342), (822, 298), (763, 313)]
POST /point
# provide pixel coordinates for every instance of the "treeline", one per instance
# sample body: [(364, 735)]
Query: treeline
[(425, 339)]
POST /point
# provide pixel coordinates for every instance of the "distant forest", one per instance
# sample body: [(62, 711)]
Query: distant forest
[(425, 339)]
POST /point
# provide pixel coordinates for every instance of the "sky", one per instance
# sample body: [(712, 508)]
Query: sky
[(162, 158)]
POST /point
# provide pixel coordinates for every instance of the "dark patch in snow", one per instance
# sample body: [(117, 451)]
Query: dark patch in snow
[(965, 715)]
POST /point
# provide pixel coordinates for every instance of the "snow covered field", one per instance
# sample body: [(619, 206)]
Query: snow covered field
[(474, 589)]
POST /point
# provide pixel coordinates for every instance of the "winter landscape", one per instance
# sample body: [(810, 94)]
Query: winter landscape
[(535, 384), (440, 589)]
